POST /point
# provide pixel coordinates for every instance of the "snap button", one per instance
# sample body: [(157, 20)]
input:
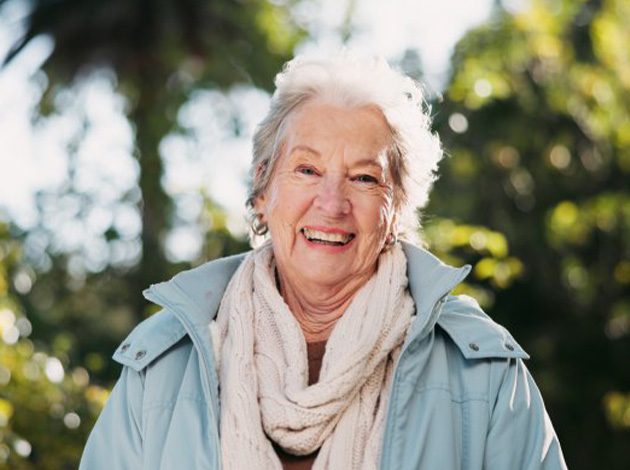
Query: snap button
[(509, 347), (124, 347), (140, 354), (473, 346)]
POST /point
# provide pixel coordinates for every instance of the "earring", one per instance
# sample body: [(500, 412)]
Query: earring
[(391, 240), (259, 227)]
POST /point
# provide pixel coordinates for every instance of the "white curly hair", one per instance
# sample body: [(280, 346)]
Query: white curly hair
[(353, 81)]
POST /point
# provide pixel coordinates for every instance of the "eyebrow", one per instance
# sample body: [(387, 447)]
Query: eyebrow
[(368, 162), (304, 148)]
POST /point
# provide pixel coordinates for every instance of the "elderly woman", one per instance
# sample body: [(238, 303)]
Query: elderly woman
[(333, 345)]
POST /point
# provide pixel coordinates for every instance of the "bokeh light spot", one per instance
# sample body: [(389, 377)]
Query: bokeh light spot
[(72, 420), (54, 370), (458, 123), (483, 88), (560, 157), (22, 447)]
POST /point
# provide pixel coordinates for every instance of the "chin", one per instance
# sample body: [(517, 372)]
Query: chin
[(326, 273)]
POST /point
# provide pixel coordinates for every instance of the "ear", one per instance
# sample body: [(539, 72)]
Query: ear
[(260, 202), (260, 206), (393, 226)]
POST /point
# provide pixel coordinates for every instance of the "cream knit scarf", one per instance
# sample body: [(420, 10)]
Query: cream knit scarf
[(263, 370)]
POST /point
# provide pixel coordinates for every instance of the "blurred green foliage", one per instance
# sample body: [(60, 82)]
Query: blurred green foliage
[(535, 120), (47, 405), (534, 194)]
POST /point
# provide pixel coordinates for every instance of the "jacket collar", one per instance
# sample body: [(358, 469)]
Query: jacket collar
[(430, 281), (429, 278), (198, 292)]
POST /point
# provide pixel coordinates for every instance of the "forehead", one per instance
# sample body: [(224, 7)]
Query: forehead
[(326, 127)]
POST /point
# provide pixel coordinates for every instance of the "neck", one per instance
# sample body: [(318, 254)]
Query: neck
[(317, 307)]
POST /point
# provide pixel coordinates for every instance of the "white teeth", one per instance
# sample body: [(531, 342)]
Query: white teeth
[(327, 237)]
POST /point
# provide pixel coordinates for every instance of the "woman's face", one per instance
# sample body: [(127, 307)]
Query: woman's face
[(329, 205)]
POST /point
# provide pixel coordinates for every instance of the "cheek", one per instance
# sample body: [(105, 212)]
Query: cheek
[(285, 204), (272, 205), (274, 196), (376, 213)]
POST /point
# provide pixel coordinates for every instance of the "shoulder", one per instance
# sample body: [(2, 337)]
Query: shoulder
[(195, 294), (157, 357), (470, 352), (474, 333)]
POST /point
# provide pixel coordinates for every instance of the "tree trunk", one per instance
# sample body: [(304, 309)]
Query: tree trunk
[(149, 116)]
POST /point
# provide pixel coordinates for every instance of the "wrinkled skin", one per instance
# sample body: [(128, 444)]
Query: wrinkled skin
[(333, 176)]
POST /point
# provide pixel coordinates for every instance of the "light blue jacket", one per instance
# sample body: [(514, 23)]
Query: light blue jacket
[(461, 396)]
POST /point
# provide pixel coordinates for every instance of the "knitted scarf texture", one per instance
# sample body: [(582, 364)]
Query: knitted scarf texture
[(263, 370)]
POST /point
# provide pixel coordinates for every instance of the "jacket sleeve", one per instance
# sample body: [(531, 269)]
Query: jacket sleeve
[(115, 442), (520, 434)]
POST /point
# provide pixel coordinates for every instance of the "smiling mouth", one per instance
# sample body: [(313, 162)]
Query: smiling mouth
[(326, 238)]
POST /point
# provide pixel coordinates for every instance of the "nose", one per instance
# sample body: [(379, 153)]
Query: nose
[(331, 197)]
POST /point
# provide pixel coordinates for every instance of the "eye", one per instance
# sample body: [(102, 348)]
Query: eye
[(306, 170), (365, 179)]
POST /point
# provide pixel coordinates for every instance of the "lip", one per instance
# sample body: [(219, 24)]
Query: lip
[(327, 248)]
